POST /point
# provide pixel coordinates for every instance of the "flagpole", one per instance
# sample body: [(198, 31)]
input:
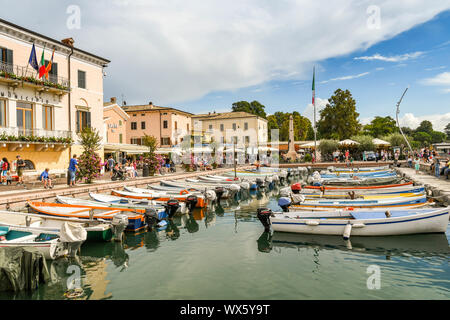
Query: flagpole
[(314, 104)]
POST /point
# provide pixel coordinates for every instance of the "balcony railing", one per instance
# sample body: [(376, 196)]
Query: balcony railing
[(12, 134), (29, 75)]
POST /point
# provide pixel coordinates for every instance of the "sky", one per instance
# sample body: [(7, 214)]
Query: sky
[(202, 56)]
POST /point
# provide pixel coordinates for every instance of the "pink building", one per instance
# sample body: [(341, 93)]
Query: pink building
[(115, 123), (168, 125)]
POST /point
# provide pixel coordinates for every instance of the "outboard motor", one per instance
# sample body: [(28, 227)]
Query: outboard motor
[(296, 188), (260, 182), (191, 202), (281, 178), (284, 203), (219, 193), (264, 215), (150, 218), (119, 222), (172, 207)]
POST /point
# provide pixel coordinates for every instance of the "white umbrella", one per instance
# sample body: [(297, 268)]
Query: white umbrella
[(379, 142), (309, 144), (348, 142)]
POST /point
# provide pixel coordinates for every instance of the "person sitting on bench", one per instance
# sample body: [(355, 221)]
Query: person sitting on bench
[(44, 177)]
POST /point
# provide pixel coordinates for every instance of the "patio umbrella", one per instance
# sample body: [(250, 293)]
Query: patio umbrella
[(379, 142), (348, 142)]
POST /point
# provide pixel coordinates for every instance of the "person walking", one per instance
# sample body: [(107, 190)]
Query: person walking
[(111, 164), (436, 165), (20, 164), (4, 170), (417, 164), (73, 167)]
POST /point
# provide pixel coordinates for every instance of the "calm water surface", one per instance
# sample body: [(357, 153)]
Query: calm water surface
[(225, 254)]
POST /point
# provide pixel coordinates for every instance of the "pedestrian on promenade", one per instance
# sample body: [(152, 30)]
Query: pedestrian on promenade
[(417, 164), (111, 164), (44, 177), (436, 165), (4, 170), (409, 160), (20, 164), (396, 157), (73, 167)]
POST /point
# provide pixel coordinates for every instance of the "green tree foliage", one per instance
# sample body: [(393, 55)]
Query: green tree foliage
[(89, 163), (280, 120), (395, 139), (365, 142), (381, 126), (437, 136), (407, 131), (327, 147), (447, 131), (424, 139), (253, 107), (425, 126), (151, 142), (339, 119)]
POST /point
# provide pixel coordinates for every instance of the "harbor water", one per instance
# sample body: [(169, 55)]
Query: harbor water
[(224, 253)]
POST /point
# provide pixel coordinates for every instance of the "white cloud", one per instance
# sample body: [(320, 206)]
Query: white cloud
[(347, 77), (173, 51), (397, 58), (309, 110), (435, 68), (442, 79), (439, 121)]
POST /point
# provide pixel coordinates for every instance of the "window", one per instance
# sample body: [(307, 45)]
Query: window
[(165, 141), (246, 126), (221, 127), (143, 125), (165, 124), (81, 79), (176, 125), (83, 120), (247, 139), (2, 113), (6, 57), (134, 126), (235, 140), (134, 115), (222, 140), (187, 127), (24, 116), (53, 74), (210, 127), (136, 141), (120, 138), (47, 118), (120, 122), (234, 126), (142, 114)]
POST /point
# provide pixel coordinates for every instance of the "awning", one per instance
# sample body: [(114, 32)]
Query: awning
[(122, 147)]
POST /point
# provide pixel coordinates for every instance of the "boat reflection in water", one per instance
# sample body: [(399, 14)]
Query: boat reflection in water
[(420, 245)]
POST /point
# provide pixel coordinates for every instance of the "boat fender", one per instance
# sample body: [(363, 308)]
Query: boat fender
[(388, 214), (284, 203), (347, 231), (312, 222), (359, 225), (210, 195), (264, 215)]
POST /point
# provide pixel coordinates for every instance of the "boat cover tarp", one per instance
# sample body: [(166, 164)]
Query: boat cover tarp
[(72, 232), (22, 269), (381, 214)]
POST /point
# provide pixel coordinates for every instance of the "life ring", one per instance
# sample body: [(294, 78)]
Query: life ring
[(349, 208), (184, 192)]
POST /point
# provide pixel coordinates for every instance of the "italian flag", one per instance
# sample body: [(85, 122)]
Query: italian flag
[(313, 85), (42, 67)]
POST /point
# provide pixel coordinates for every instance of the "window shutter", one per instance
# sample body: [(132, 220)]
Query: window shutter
[(88, 119), (9, 56), (78, 122)]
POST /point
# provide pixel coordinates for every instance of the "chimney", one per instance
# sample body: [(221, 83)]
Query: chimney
[(68, 41), (124, 103), (113, 100)]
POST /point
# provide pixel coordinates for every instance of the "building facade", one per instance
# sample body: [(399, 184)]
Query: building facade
[(115, 123), (167, 125), (240, 128), (40, 118)]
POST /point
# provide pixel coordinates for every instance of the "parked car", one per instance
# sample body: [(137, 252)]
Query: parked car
[(370, 156)]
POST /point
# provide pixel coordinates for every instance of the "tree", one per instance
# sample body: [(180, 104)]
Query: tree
[(271, 124), (280, 120), (425, 126), (447, 131), (153, 160), (381, 126), (437, 136), (253, 107), (89, 163), (151, 142), (395, 139), (365, 142), (407, 131), (339, 119), (423, 138), (327, 147)]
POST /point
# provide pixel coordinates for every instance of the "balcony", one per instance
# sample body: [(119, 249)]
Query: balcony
[(43, 140), (15, 75)]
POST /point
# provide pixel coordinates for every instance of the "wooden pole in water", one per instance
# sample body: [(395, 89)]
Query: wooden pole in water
[(398, 124)]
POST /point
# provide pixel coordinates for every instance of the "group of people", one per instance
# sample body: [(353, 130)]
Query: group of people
[(438, 167), (9, 170), (124, 167)]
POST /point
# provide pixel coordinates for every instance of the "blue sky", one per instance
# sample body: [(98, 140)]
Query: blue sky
[(380, 85), (202, 56)]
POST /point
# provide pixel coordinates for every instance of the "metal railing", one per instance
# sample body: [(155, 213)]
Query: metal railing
[(39, 133), (22, 73)]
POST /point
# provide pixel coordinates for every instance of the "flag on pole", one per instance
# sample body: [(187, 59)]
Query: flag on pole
[(42, 67), (313, 85), (32, 60), (49, 65)]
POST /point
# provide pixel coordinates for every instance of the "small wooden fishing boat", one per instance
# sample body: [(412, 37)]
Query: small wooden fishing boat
[(362, 223), (357, 203), (209, 195), (359, 187), (135, 217), (185, 197), (379, 191)]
